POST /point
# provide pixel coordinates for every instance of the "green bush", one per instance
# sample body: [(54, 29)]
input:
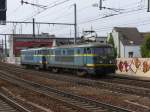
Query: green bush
[(111, 41), (145, 47)]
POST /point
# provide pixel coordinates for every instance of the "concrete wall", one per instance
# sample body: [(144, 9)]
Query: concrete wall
[(13, 60), (135, 66), (11, 46)]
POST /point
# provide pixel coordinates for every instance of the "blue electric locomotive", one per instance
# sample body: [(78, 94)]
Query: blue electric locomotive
[(90, 58), (34, 57)]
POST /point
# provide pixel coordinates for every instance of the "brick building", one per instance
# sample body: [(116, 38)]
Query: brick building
[(18, 42)]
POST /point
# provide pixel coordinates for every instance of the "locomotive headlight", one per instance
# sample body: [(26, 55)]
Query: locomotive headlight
[(101, 62), (110, 62)]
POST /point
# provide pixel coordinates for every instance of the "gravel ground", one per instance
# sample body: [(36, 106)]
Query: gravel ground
[(133, 102), (33, 101)]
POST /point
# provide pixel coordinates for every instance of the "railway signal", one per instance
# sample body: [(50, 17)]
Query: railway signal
[(148, 8), (3, 8)]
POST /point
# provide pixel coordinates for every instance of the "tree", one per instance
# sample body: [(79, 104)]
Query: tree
[(145, 47), (111, 41)]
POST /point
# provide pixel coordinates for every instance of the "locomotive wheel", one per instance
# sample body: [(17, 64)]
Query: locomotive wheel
[(81, 73), (55, 70), (37, 67)]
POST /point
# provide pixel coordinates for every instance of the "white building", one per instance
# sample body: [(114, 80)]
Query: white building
[(127, 40)]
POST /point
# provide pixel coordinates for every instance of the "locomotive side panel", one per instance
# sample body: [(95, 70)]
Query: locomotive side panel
[(33, 58)]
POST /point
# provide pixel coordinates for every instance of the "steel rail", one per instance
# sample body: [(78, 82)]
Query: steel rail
[(8, 105), (129, 89), (85, 103)]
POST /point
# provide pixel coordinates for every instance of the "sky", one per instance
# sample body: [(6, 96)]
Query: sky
[(120, 13)]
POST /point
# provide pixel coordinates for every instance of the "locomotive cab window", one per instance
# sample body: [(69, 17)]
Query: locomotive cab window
[(45, 52), (51, 52), (103, 51), (70, 52), (64, 52), (58, 52), (85, 50), (36, 52), (89, 51)]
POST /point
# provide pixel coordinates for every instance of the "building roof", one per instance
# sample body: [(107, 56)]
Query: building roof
[(130, 35), (44, 35), (143, 34)]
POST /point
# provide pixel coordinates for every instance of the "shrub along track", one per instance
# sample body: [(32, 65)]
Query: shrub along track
[(93, 85)]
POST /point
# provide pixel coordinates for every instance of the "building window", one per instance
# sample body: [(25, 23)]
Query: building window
[(130, 54)]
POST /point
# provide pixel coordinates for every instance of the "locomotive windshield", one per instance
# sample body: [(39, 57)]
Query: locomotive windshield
[(104, 55), (103, 51)]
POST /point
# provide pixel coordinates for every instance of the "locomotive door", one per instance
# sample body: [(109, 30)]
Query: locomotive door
[(85, 56), (44, 62)]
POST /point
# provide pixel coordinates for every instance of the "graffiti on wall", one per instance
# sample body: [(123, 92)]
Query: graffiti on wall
[(133, 65)]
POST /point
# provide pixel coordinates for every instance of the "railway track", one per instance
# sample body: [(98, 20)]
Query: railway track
[(81, 103), (139, 82), (110, 78), (8, 105), (101, 84), (110, 84), (134, 87)]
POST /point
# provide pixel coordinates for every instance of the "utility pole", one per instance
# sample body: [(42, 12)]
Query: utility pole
[(3, 9), (148, 8), (75, 23), (100, 5), (5, 47), (2, 47), (33, 28)]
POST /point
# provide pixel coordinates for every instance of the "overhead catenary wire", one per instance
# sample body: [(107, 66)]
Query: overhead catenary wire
[(82, 9), (55, 4), (48, 7), (107, 16), (110, 28), (101, 19), (139, 23), (106, 28)]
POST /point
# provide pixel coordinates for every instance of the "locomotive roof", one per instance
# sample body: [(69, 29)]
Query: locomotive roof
[(34, 49), (95, 44)]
